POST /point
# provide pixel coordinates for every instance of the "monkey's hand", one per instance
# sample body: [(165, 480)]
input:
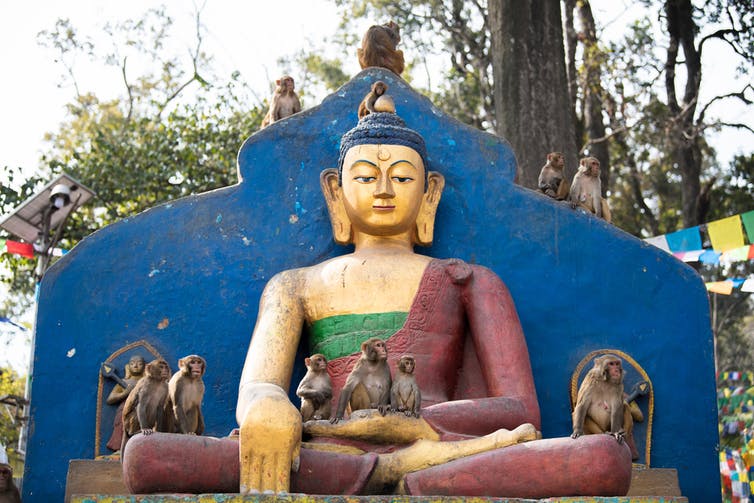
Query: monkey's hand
[(619, 436), (576, 433), (270, 441)]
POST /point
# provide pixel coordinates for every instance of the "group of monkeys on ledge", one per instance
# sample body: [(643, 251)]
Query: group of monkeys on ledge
[(601, 404), (585, 191), (155, 401)]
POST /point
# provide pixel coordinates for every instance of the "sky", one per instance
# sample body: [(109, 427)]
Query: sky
[(247, 36)]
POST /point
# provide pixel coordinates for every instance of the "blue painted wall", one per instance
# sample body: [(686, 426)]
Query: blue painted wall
[(201, 263)]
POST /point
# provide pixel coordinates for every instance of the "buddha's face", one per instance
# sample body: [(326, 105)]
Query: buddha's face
[(383, 187)]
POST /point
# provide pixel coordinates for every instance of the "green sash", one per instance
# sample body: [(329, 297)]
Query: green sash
[(342, 335)]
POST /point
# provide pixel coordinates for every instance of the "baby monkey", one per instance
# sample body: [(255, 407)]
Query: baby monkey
[(405, 395), (367, 104), (315, 389)]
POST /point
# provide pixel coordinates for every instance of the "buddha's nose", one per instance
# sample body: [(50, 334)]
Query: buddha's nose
[(384, 188)]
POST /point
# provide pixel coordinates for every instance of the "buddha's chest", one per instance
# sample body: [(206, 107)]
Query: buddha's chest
[(362, 286)]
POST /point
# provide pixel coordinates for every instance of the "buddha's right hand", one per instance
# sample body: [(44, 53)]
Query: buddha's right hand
[(270, 440)]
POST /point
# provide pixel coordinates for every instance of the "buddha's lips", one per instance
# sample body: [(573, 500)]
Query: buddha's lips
[(383, 207)]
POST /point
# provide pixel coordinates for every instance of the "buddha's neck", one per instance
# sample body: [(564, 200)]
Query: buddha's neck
[(365, 244)]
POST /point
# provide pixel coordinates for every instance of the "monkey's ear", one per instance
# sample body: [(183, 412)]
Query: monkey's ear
[(333, 192), (181, 363), (307, 361), (425, 221)]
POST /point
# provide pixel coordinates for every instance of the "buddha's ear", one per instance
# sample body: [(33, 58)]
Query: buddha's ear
[(425, 221), (333, 192)]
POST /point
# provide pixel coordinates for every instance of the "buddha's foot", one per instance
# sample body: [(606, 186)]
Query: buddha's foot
[(524, 433)]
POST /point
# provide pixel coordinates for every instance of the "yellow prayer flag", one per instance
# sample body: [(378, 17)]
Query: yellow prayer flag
[(726, 233), (722, 287)]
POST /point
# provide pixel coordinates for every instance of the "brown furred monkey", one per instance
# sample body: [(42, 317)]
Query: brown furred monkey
[(586, 188), (186, 391), (368, 384), (378, 48), (367, 104), (315, 389), (599, 403), (8, 491), (284, 101), (145, 405), (551, 180), (405, 395)]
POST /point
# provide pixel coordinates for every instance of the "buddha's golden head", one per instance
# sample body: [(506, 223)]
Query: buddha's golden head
[(382, 186)]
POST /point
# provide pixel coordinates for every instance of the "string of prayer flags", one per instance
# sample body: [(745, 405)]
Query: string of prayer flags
[(3, 319), (737, 254), (685, 240), (709, 257), (726, 233), (748, 285)]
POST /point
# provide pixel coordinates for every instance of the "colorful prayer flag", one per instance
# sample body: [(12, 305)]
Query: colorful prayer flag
[(685, 240), (726, 233), (721, 287), (23, 249), (737, 254), (748, 286), (660, 242), (709, 257)]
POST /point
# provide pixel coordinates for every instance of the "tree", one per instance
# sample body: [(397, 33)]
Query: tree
[(531, 91)]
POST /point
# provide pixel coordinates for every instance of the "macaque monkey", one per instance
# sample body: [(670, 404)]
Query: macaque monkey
[(378, 48), (551, 179), (315, 389), (405, 395), (186, 391), (368, 384), (599, 403), (284, 101), (586, 189), (8, 490), (367, 105), (145, 405)]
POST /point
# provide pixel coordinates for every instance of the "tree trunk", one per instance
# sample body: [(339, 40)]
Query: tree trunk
[(594, 126), (683, 137), (530, 87)]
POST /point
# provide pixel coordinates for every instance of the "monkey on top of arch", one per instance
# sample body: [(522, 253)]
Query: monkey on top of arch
[(586, 189)]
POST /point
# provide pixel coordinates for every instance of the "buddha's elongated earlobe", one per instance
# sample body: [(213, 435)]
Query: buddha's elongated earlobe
[(341, 225), (425, 221)]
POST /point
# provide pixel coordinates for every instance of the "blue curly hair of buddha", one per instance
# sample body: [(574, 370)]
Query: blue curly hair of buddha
[(382, 128)]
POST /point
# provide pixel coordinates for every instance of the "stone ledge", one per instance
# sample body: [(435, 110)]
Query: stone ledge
[(302, 498)]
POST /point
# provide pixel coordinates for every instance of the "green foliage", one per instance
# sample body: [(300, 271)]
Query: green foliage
[(10, 424)]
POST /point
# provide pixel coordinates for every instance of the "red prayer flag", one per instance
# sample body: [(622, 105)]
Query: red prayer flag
[(23, 249)]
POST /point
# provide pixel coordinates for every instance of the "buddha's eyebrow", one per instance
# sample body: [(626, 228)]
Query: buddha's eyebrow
[(359, 161), (403, 160)]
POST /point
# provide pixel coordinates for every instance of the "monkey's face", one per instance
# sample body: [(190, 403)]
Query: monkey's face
[(195, 367), (6, 475), (407, 364), (154, 370), (614, 371), (594, 168), (379, 88), (319, 363), (380, 350), (557, 161), (164, 370)]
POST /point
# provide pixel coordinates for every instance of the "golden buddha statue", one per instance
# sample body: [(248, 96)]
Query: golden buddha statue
[(458, 320)]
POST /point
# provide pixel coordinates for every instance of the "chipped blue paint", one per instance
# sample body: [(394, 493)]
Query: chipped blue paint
[(219, 219), (603, 288)]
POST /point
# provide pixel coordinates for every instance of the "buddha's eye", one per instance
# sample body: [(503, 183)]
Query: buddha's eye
[(402, 179), (364, 179)]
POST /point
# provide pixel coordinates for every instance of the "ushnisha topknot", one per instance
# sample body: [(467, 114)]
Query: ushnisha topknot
[(382, 128)]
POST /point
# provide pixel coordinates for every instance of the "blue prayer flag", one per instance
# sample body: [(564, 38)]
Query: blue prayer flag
[(685, 240)]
